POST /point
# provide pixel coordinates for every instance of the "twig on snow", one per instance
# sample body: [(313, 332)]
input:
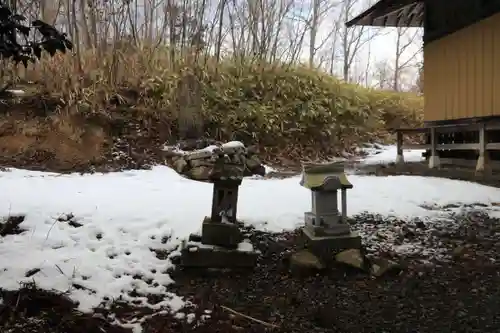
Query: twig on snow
[(248, 317), (61, 271)]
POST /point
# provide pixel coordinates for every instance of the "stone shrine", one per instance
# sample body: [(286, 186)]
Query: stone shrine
[(326, 231)]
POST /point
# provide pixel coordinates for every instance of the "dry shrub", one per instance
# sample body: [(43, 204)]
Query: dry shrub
[(273, 105)]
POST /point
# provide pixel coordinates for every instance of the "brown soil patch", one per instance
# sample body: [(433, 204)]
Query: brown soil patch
[(11, 225), (34, 139), (31, 310), (58, 142)]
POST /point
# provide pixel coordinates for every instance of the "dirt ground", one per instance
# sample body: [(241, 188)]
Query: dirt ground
[(458, 295), (31, 137), (422, 169)]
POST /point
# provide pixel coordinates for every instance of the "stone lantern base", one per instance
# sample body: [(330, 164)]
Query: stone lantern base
[(199, 255), (325, 247), (227, 235), (218, 246)]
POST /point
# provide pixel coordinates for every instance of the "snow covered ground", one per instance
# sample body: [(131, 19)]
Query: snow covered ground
[(125, 215), (379, 154)]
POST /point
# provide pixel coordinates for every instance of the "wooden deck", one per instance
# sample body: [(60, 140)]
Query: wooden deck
[(475, 137)]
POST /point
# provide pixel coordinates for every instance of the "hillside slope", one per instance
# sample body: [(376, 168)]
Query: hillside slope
[(109, 122)]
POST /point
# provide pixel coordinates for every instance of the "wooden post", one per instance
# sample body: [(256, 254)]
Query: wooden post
[(434, 158), (399, 147), (482, 165), (343, 199)]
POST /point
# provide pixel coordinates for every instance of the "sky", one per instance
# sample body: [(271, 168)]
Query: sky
[(381, 48)]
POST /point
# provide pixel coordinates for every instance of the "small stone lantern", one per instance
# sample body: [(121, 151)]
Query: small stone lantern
[(326, 229)]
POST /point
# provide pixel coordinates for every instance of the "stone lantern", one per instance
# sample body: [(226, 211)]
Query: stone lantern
[(326, 231), (221, 243)]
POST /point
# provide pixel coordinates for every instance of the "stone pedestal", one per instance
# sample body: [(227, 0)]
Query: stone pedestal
[(202, 256), (319, 227), (326, 247), (220, 236)]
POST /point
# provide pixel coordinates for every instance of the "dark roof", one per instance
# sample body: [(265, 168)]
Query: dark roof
[(392, 13)]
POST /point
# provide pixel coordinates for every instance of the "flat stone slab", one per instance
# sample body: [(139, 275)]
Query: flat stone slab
[(205, 256), (376, 267), (354, 258), (326, 247), (384, 266), (338, 230), (304, 263)]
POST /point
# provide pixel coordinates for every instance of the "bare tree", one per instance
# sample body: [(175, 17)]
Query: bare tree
[(333, 45), (286, 31), (320, 9), (405, 39), (218, 46), (353, 39), (296, 29), (383, 74), (418, 85), (367, 75)]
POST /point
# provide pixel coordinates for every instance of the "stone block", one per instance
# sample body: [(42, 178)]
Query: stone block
[(376, 267), (337, 230), (353, 258), (384, 266), (329, 225), (324, 203), (195, 238), (326, 247), (180, 165), (216, 257), (220, 234), (201, 173), (304, 263)]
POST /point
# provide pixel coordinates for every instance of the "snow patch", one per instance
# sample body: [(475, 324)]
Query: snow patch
[(245, 246), (382, 154), (233, 145)]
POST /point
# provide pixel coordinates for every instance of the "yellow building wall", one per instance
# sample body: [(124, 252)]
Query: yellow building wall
[(462, 73)]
